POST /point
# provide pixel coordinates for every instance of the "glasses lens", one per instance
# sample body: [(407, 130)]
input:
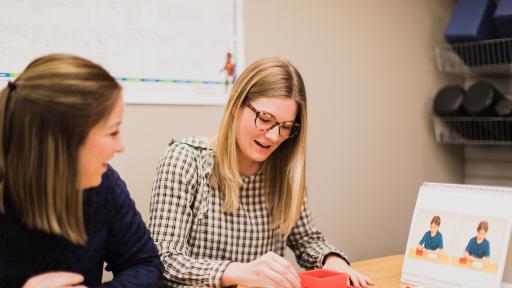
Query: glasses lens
[(285, 131), (264, 121), (288, 131)]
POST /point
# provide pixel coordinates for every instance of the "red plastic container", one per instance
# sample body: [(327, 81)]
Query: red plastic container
[(463, 260), (419, 252), (323, 279)]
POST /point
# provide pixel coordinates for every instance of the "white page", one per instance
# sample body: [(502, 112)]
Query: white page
[(161, 51), (461, 208)]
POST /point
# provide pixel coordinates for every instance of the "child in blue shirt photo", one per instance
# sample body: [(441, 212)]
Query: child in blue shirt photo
[(478, 248), (433, 239)]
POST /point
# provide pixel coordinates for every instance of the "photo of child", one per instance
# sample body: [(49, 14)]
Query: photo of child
[(474, 249), (455, 242), (478, 247), (431, 245), (432, 239)]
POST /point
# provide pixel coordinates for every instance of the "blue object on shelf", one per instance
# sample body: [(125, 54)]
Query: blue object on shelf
[(472, 20), (503, 18)]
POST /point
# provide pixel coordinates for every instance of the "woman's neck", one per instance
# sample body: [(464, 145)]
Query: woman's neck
[(247, 167)]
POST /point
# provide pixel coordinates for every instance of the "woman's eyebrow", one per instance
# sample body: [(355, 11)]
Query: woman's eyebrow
[(286, 121)]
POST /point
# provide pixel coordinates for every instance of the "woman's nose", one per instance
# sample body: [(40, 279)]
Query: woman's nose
[(273, 134)]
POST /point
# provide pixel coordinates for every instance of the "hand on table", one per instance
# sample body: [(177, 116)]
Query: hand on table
[(269, 270), (55, 280), (335, 263)]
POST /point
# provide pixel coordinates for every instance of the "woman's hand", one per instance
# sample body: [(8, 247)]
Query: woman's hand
[(335, 263), (55, 280), (270, 270)]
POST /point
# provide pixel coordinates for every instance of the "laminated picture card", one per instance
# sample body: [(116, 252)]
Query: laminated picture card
[(459, 236)]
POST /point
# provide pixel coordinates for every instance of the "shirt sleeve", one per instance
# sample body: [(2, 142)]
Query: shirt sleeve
[(171, 218), (469, 246), (441, 245), (308, 244), (131, 254), (423, 239), (487, 249)]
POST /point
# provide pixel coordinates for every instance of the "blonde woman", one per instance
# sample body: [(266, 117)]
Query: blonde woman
[(63, 210), (222, 211)]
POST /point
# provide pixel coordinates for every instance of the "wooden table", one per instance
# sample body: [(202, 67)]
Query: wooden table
[(384, 271)]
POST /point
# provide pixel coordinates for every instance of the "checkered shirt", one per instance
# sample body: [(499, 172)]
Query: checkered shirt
[(197, 240)]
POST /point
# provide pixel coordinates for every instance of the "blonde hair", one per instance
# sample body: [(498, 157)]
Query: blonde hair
[(45, 117), (285, 170)]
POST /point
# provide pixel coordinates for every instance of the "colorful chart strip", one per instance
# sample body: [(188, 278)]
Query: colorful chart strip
[(8, 75), (134, 79)]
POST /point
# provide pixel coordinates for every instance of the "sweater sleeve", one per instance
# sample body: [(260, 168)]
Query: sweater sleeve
[(308, 244), (172, 213), (131, 253), (423, 239)]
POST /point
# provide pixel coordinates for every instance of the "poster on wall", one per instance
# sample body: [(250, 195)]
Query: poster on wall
[(459, 236), (161, 51)]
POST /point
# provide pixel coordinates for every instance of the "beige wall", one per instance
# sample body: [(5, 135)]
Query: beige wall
[(370, 77)]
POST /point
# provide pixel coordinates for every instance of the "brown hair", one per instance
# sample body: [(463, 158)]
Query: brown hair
[(285, 169), (483, 226), (45, 116), (436, 220)]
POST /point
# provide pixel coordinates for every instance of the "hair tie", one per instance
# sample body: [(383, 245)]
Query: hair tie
[(12, 86)]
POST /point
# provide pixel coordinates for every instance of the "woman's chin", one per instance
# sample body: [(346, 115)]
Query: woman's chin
[(259, 157)]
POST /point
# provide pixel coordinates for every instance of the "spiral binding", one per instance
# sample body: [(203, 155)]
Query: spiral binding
[(450, 187)]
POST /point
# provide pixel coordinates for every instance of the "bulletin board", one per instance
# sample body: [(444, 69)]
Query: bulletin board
[(161, 51)]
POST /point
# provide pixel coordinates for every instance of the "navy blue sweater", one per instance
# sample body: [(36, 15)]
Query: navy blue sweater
[(116, 235)]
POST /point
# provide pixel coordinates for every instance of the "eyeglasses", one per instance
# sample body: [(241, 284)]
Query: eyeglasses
[(265, 122)]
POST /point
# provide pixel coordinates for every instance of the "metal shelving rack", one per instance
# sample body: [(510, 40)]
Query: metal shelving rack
[(491, 57), (475, 59), (473, 130)]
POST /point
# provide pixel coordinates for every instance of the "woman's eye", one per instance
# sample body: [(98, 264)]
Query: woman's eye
[(287, 126), (266, 118)]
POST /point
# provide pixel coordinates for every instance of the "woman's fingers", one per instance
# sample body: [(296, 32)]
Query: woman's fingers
[(54, 280), (274, 279), (354, 279), (359, 280), (278, 271), (286, 268), (269, 270)]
